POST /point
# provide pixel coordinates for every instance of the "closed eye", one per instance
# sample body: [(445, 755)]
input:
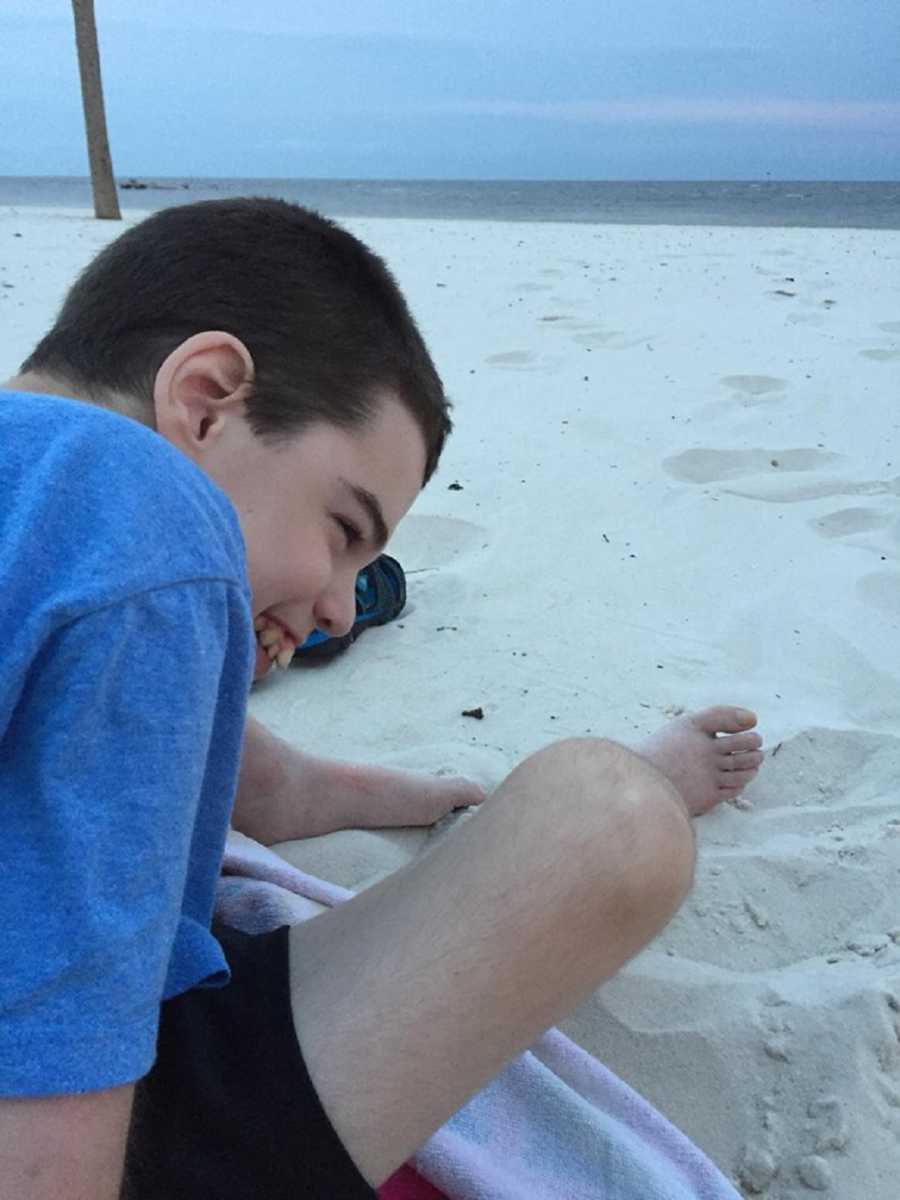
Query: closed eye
[(352, 534)]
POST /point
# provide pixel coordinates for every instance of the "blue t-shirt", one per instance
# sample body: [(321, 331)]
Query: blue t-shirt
[(126, 653)]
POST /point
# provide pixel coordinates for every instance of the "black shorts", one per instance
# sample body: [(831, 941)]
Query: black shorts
[(228, 1111)]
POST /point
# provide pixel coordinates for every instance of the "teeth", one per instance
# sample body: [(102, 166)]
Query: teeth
[(273, 639)]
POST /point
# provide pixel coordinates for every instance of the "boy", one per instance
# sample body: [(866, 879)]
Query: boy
[(231, 414)]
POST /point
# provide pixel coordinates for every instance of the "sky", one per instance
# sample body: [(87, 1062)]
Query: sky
[(462, 89)]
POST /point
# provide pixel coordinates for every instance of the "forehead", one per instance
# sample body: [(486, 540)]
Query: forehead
[(379, 463), (390, 450)]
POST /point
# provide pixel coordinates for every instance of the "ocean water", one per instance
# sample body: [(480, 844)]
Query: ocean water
[(764, 203)]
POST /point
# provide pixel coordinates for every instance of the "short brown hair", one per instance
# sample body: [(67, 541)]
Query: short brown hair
[(321, 315)]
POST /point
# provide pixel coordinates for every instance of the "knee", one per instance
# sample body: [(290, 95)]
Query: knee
[(610, 807)]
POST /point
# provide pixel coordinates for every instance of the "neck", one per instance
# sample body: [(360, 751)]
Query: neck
[(45, 385), (51, 385)]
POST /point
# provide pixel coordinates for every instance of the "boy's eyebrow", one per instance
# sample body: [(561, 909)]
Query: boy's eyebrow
[(371, 504)]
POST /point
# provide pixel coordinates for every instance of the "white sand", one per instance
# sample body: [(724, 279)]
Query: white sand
[(678, 486)]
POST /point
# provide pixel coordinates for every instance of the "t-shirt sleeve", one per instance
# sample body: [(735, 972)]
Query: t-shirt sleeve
[(101, 772)]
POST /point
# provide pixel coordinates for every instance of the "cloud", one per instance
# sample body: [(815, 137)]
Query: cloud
[(836, 114)]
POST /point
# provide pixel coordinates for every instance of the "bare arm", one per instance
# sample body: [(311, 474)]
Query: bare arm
[(64, 1147), (285, 794)]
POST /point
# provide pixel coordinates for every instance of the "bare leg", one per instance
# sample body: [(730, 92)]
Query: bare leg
[(413, 995)]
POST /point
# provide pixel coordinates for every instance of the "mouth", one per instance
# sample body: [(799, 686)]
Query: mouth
[(275, 643)]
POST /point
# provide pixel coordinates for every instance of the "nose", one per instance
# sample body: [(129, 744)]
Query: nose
[(335, 610)]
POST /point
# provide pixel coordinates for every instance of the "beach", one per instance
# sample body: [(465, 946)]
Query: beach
[(674, 481)]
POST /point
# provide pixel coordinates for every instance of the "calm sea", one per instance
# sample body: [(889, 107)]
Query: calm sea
[(859, 205)]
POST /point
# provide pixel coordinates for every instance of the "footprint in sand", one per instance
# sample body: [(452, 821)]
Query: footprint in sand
[(848, 521), (511, 358), (716, 466), (754, 386), (597, 337), (713, 466), (566, 321), (829, 1124), (884, 353), (425, 543), (773, 493), (867, 528), (610, 339), (522, 360), (881, 590)]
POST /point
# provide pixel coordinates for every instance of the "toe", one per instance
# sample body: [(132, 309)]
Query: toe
[(734, 743), (723, 718), (736, 781), (747, 760)]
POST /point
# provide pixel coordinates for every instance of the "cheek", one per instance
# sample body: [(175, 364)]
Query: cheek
[(308, 568), (289, 561), (283, 568)]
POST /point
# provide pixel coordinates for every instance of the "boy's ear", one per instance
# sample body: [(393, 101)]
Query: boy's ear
[(203, 384)]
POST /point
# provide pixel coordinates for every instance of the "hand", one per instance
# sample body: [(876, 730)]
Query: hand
[(385, 796), (284, 794)]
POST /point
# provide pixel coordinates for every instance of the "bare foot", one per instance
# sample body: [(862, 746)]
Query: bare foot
[(709, 755)]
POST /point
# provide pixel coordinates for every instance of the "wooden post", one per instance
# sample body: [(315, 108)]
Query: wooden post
[(106, 200)]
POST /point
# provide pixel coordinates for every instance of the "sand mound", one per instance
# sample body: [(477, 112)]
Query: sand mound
[(773, 999)]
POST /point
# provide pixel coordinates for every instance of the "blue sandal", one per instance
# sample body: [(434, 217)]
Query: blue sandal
[(380, 597)]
